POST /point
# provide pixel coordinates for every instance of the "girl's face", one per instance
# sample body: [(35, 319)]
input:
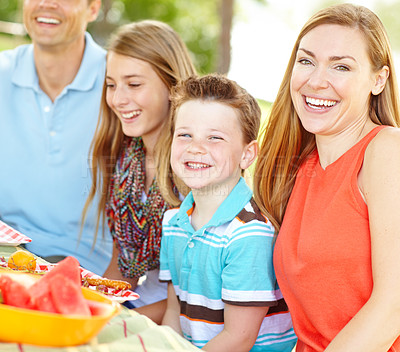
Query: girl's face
[(138, 96), (332, 80), (208, 151)]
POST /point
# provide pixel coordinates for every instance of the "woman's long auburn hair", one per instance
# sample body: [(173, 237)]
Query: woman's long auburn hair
[(158, 44), (286, 144)]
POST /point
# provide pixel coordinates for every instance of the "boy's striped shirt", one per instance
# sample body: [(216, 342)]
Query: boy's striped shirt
[(227, 261)]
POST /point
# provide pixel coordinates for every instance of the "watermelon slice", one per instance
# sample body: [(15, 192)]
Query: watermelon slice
[(40, 290), (42, 298), (99, 308), (68, 267), (67, 296), (58, 291), (14, 293)]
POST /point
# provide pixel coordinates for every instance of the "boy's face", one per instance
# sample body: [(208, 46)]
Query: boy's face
[(52, 23), (207, 148)]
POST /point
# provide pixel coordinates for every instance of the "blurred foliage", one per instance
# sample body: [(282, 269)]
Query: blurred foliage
[(11, 41), (196, 21), (10, 10)]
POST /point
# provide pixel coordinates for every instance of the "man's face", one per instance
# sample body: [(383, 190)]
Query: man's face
[(51, 23)]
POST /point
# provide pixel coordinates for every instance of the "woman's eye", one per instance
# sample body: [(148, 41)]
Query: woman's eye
[(342, 68), (305, 61), (110, 85), (134, 85), (184, 135)]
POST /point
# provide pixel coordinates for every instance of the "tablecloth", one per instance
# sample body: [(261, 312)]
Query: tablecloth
[(129, 331)]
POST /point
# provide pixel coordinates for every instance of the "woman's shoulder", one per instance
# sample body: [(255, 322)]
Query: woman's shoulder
[(383, 152), (387, 140)]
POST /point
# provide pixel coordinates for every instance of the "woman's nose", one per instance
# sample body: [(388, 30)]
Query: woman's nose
[(318, 78)]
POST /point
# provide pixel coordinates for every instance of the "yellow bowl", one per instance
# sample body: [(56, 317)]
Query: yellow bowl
[(50, 329)]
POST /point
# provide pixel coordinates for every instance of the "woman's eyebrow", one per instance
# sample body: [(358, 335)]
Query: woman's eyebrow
[(331, 58)]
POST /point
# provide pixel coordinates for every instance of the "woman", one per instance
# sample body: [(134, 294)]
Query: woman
[(144, 61), (329, 175)]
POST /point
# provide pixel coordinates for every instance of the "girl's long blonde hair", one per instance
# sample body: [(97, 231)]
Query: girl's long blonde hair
[(158, 44), (285, 142)]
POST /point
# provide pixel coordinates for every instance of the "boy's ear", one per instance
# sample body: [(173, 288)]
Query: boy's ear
[(250, 153)]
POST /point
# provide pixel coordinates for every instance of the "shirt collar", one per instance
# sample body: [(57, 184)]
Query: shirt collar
[(25, 74), (227, 211)]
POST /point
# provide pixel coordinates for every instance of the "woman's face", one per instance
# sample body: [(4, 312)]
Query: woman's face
[(332, 79), (138, 96)]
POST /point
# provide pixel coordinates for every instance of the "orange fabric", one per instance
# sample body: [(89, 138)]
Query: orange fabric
[(322, 256)]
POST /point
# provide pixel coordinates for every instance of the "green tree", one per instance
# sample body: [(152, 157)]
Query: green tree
[(205, 26), (10, 10), (196, 21)]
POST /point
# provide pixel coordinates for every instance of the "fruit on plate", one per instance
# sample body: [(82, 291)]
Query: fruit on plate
[(99, 308), (14, 293), (58, 291), (67, 296), (22, 260), (33, 327), (44, 291)]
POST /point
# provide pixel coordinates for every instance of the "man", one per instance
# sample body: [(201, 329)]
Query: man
[(49, 96)]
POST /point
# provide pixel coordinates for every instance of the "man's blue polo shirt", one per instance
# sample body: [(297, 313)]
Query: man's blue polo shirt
[(229, 260), (44, 154)]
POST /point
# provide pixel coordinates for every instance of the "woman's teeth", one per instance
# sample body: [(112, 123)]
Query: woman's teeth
[(320, 103)]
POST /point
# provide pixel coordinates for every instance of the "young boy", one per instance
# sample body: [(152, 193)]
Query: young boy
[(217, 247)]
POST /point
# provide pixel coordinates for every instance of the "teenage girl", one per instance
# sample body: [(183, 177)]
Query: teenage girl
[(144, 61)]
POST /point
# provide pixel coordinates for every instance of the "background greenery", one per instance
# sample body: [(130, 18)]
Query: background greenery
[(198, 22), (9, 41), (187, 17)]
